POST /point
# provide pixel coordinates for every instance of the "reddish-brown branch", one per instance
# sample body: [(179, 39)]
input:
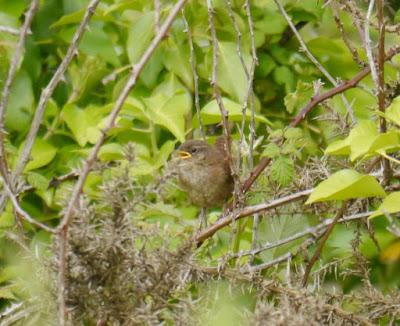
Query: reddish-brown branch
[(339, 89)]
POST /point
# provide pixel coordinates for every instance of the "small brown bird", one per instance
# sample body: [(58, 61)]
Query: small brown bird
[(204, 172)]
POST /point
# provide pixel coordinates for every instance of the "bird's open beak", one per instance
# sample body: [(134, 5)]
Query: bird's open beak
[(184, 155)]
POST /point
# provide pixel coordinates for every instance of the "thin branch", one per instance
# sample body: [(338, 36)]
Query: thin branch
[(192, 61), (381, 83), (69, 212), (325, 237), (311, 231), (21, 212), (246, 211), (16, 60), (339, 89), (214, 84), (368, 46), (264, 266), (250, 92), (11, 30), (313, 59), (222, 109), (345, 38), (250, 96), (356, 16)]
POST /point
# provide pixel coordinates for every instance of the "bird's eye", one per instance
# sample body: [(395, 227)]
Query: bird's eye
[(193, 150)]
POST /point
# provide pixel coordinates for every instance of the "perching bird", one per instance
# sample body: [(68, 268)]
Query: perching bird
[(204, 172)]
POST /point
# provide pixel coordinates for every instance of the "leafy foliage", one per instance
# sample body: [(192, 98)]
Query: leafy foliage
[(127, 257)]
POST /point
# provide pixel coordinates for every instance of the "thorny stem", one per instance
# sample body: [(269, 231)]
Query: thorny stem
[(381, 83)]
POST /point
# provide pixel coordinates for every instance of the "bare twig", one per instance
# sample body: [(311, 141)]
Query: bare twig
[(69, 212), (345, 38), (310, 231), (10, 30), (381, 83), (250, 96), (192, 60), (368, 46), (34, 6), (250, 92), (214, 84), (246, 211), (325, 237), (22, 213), (222, 109), (261, 267), (314, 60)]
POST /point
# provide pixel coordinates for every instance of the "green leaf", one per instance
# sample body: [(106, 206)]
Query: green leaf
[(392, 112), (282, 170), (72, 18), (296, 100), (364, 139), (231, 75), (361, 138), (163, 154), (339, 147), (284, 76), (211, 114), (111, 152), (85, 76), (96, 42), (176, 59), (346, 184), (140, 36), (334, 55), (271, 23), (38, 181), (384, 142), (391, 204), (42, 154), (169, 105), (84, 124), (267, 64), (21, 104), (271, 150)]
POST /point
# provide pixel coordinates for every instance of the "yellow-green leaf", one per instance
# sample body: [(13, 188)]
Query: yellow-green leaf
[(211, 114), (346, 184), (392, 113), (361, 138), (391, 204), (42, 154)]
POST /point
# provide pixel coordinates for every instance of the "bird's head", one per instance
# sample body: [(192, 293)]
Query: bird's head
[(194, 151)]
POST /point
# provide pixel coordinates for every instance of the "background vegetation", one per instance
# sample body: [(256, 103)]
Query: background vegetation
[(97, 95)]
